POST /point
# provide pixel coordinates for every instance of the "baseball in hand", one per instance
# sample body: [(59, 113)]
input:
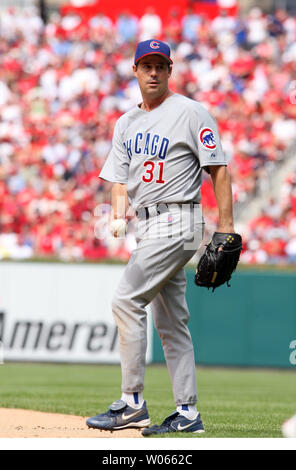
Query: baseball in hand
[(118, 228)]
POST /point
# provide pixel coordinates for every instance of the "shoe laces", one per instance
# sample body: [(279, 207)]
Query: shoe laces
[(169, 419), (111, 413)]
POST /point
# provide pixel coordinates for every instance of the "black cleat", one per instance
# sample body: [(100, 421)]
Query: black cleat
[(176, 423), (119, 416)]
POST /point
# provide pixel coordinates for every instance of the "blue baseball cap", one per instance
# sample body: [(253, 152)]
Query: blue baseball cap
[(153, 46)]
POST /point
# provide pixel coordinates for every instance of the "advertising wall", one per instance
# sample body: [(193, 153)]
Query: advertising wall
[(59, 312), (56, 312), (252, 323)]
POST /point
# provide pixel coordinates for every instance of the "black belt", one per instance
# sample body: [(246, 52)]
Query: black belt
[(147, 212)]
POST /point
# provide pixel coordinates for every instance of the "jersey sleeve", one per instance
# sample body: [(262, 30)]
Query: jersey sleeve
[(207, 140), (116, 167)]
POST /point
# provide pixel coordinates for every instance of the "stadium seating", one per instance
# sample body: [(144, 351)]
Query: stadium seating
[(63, 86)]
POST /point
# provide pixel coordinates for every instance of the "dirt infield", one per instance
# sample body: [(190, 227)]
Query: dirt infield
[(28, 423)]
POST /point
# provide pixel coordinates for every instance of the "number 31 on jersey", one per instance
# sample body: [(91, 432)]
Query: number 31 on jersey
[(154, 172)]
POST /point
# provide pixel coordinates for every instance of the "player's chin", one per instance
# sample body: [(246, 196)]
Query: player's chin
[(154, 89)]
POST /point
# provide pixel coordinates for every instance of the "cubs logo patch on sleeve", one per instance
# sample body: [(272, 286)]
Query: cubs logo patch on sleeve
[(207, 138)]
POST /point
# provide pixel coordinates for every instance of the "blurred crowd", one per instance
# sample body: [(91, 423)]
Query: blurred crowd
[(271, 236), (63, 85)]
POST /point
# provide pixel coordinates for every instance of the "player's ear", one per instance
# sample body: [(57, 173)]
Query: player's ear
[(135, 70), (170, 70)]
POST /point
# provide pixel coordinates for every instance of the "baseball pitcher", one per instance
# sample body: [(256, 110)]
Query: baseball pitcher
[(159, 150)]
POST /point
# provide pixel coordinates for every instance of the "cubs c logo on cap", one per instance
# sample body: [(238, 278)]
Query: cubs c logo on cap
[(206, 136), (154, 45)]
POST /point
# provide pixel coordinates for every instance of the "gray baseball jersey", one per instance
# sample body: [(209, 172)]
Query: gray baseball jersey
[(160, 154)]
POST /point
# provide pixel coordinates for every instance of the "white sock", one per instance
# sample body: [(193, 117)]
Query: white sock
[(189, 411), (135, 400)]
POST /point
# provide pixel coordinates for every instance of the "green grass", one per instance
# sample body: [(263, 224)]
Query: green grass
[(233, 403)]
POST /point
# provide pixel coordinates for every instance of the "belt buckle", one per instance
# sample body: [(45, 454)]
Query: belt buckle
[(152, 211)]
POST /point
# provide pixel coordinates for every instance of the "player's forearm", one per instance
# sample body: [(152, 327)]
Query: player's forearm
[(119, 201), (223, 193)]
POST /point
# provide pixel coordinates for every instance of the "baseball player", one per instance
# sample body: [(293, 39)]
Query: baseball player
[(158, 152)]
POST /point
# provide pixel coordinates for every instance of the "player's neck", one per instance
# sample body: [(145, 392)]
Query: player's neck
[(150, 103)]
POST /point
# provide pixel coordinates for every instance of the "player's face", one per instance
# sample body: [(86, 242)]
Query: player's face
[(153, 74)]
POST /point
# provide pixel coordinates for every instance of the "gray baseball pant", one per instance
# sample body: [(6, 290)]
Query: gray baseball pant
[(155, 275)]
